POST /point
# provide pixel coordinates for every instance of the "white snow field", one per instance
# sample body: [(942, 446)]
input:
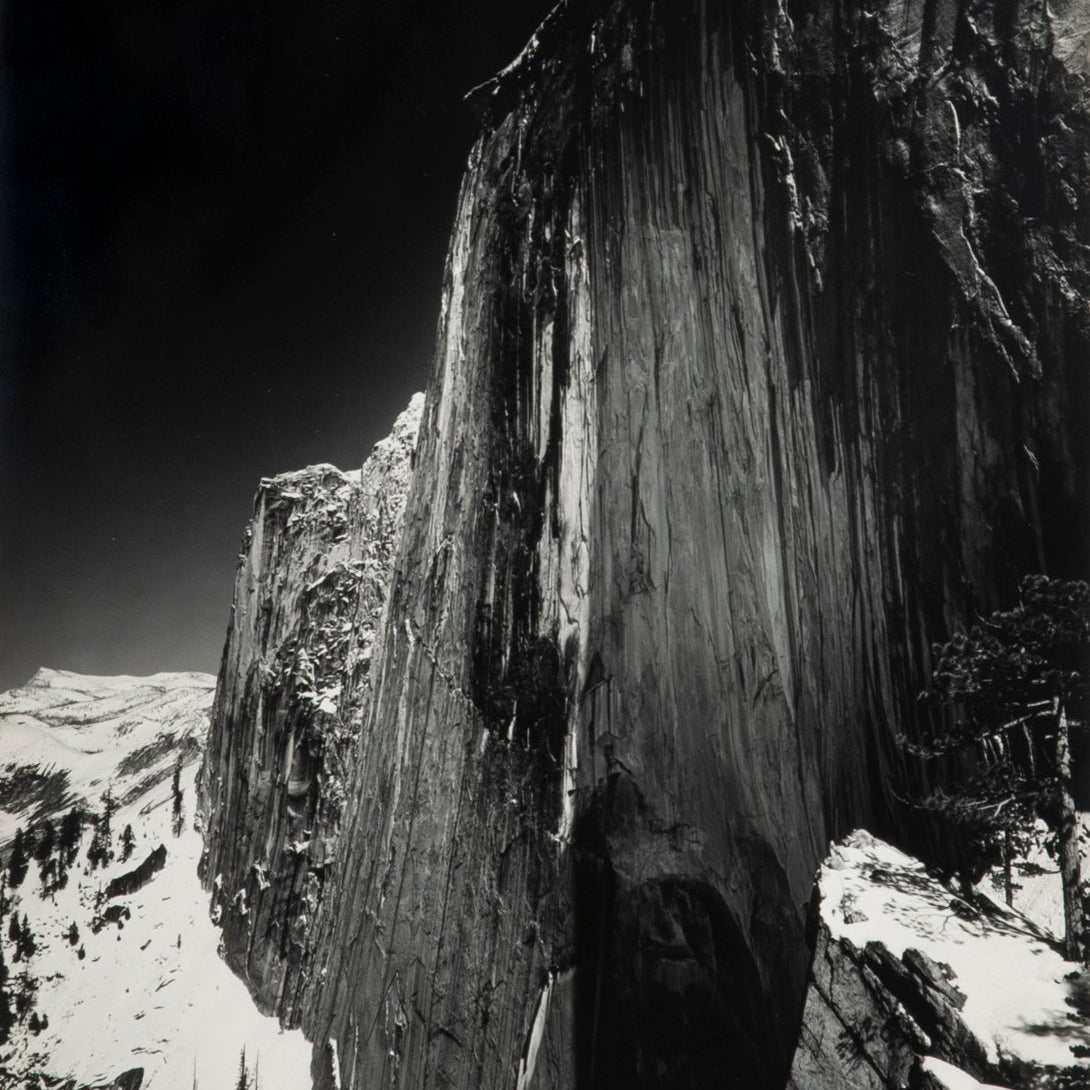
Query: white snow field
[(153, 992), (66, 737)]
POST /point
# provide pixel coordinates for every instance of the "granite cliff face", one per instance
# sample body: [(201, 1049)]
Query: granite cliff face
[(762, 359), (312, 582)]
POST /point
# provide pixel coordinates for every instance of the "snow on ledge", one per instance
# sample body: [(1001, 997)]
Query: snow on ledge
[(1012, 975), (953, 1078)]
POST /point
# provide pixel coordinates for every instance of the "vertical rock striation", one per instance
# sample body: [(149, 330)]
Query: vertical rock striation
[(312, 582), (762, 358)]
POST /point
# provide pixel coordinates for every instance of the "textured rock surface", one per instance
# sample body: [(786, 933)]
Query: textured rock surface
[(312, 582), (762, 351), (762, 358)]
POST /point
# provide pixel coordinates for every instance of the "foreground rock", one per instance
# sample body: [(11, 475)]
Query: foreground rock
[(912, 985)]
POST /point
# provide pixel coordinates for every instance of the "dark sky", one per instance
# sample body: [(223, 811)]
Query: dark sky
[(223, 234)]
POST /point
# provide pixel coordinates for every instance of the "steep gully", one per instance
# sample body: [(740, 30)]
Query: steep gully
[(762, 360)]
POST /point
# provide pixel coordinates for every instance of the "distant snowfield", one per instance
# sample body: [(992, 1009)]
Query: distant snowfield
[(1014, 980), (154, 992), (87, 733)]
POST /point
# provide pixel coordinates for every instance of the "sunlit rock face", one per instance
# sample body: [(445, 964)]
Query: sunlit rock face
[(761, 361), (311, 586)]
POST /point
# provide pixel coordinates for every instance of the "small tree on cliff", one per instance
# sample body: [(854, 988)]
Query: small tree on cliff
[(128, 842), (1011, 690), (178, 795), (18, 861)]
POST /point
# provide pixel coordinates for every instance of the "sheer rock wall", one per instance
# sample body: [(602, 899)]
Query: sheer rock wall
[(762, 359), (761, 341)]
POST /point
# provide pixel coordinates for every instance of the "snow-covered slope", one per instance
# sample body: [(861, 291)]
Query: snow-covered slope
[(65, 737), (910, 977), (1037, 891), (149, 990)]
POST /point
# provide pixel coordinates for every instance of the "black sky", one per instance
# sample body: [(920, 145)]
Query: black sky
[(223, 235)]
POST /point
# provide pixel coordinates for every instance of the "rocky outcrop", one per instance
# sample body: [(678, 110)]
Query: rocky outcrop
[(908, 970), (312, 582), (762, 359), (136, 879)]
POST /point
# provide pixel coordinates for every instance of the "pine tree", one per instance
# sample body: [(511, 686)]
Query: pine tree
[(100, 852), (96, 850), (47, 873), (178, 813), (27, 946), (43, 854), (1010, 691), (128, 842), (18, 860), (46, 840), (109, 808), (60, 877), (70, 835), (26, 993), (243, 1077), (7, 1015)]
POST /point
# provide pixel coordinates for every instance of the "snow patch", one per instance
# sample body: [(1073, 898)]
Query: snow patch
[(537, 1032), (953, 1078), (151, 990)]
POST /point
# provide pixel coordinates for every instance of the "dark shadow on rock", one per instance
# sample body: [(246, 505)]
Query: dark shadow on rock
[(670, 989)]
